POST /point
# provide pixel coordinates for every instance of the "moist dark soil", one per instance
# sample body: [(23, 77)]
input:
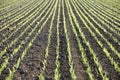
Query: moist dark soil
[(31, 66), (112, 74)]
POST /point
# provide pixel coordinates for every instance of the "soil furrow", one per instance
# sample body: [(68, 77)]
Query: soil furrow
[(64, 66), (100, 54), (32, 63), (78, 65)]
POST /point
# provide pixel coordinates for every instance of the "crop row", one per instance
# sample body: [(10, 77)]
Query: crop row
[(11, 8), (110, 34), (23, 32), (41, 76), (115, 5), (27, 47), (81, 13), (7, 4), (106, 11), (116, 40), (7, 15), (107, 5), (3, 65), (94, 26), (16, 16), (82, 50)]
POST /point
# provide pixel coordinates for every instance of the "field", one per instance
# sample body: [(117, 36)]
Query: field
[(59, 40)]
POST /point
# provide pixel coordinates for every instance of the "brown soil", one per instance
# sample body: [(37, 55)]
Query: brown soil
[(31, 66)]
